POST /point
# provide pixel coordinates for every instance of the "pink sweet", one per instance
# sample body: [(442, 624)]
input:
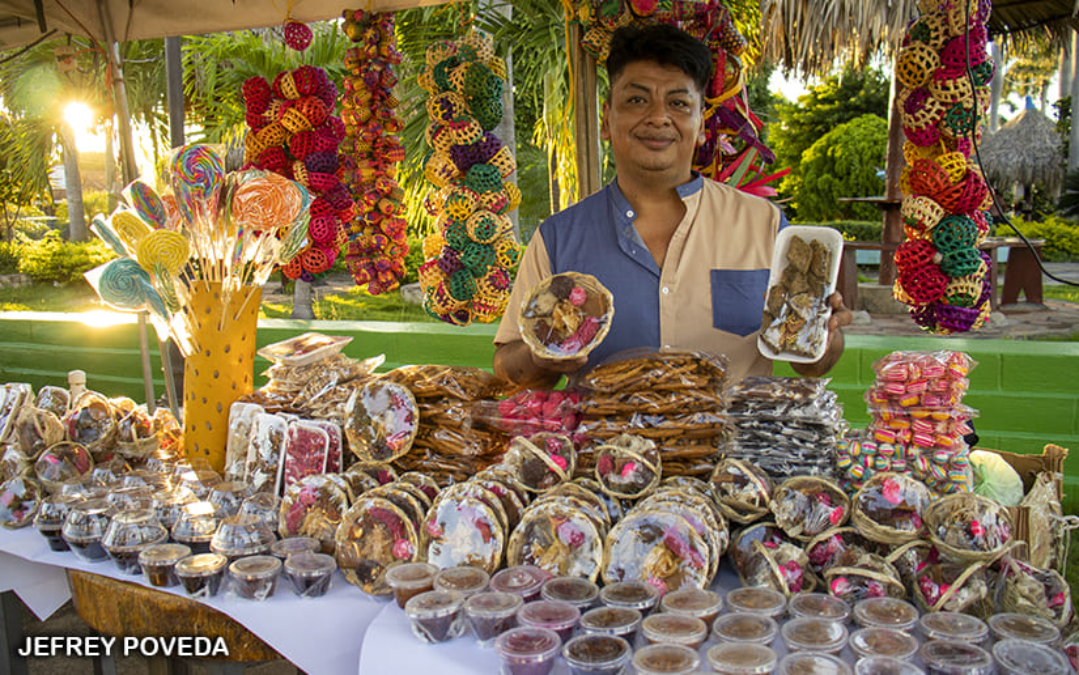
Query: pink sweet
[(909, 400), (922, 440), (933, 372), (921, 427), (836, 516), (918, 387), (840, 586), (559, 461), (627, 470), (402, 549), (895, 388), (891, 491), (578, 296), (434, 530), (896, 372), (976, 529), (884, 435)]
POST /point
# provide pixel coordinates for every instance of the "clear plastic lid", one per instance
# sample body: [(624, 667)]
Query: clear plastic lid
[(611, 620), (265, 505), (667, 659), (742, 658), (1022, 657), (133, 530), (283, 548), (411, 575), (951, 657), (308, 565), (819, 606), (493, 604), (886, 665), (197, 523), (577, 591), (163, 555), (897, 644), (594, 652), (1023, 627), (815, 635), (168, 503), (465, 580), (630, 594), (434, 604), (240, 535), (524, 580), (53, 510), (885, 613), (674, 629), (745, 627), (255, 568), (229, 495), (527, 644), (696, 602), (553, 614), (88, 520), (953, 626), (757, 600), (201, 565), (812, 663)]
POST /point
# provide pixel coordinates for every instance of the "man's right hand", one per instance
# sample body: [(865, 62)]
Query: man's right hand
[(515, 362)]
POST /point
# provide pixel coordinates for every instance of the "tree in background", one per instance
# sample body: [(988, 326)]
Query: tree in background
[(840, 98), (848, 161)]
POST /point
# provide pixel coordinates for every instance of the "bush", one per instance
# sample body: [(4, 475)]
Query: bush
[(1061, 236), (51, 259), (854, 230), (9, 258), (94, 202)]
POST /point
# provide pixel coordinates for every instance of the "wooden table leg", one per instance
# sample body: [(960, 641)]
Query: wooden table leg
[(1023, 274), (847, 285), (11, 636)]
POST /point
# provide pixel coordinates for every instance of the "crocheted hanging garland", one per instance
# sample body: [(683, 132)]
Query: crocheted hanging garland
[(468, 260), (292, 132), (377, 244), (942, 275)]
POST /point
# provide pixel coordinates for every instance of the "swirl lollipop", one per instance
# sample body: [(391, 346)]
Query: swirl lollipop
[(267, 202), (123, 284), (99, 227), (196, 173), (144, 201), (166, 249), (129, 228)]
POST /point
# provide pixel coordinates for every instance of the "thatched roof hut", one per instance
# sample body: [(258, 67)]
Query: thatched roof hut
[(1026, 150)]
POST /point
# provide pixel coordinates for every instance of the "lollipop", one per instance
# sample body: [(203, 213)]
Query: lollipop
[(266, 202), (196, 172), (123, 284), (165, 249), (145, 202), (129, 228), (99, 227)]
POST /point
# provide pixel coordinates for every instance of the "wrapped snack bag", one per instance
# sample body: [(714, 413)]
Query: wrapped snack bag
[(35, 429), (241, 420), (557, 537), (658, 547), (266, 441), (313, 507), (305, 453), (92, 423), (947, 587)]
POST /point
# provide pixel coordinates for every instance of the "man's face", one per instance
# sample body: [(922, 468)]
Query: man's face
[(653, 119)]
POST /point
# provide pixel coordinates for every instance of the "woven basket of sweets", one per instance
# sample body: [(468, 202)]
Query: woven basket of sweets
[(463, 530), (542, 461), (558, 537), (469, 489), (20, 499), (888, 509), (953, 588), (658, 547), (13, 463), (586, 495), (374, 535), (313, 507), (92, 423), (908, 558), (61, 462), (628, 467), (827, 547), (765, 559), (566, 316), (33, 430), (1025, 589), (968, 528), (857, 576), (741, 490), (382, 420), (805, 506), (700, 512), (136, 434)]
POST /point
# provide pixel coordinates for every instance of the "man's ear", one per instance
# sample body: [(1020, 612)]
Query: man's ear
[(604, 129)]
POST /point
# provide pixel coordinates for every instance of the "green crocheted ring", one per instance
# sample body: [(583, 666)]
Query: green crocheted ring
[(483, 178), (477, 258), (462, 285), (961, 263)]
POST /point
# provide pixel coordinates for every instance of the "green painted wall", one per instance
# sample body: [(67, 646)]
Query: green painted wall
[(1027, 393)]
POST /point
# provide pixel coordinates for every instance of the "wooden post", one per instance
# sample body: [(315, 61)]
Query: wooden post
[(892, 231), (585, 116)]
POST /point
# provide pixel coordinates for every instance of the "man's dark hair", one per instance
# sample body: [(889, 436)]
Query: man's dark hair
[(664, 44)]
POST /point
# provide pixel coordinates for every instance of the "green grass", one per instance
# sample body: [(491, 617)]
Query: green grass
[(1068, 293), (48, 298)]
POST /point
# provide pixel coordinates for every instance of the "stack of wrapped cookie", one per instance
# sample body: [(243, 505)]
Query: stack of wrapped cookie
[(673, 398), (788, 426)]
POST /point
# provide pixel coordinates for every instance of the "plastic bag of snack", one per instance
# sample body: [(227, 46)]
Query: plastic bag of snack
[(305, 453), (1025, 589), (266, 440), (968, 528), (92, 423), (241, 420)]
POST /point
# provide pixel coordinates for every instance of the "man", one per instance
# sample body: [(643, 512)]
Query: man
[(686, 258)]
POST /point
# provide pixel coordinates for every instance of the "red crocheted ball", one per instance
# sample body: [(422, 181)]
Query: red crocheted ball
[(321, 208), (306, 79), (323, 229), (924, 284), (315, 260), (303, 144), (293, 269), (272, 159), (914, 254), (322, 182), (257, 94), (297, 35), (312, 109)]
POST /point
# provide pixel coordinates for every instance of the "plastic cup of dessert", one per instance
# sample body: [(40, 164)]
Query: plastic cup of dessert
[(492, 613), (158, 563), (579, 592), (886, 665), (817, 663), (254, 577), (527, 650), (1021, 657), (757, 600), (952, 657), (886, 613), (242, 535), (283, 548), (196, 526), (665, 659), (524, 580), (674, 629), (745, 627), (50, 517), (464, 580), (696, 602), (621, 622), (742, 658), (84, 527), (636, 595), (1010, 625), (310, 573), (887, 642), (596, 655), (561, 617), (410, 579), (953, 626), (436, 616), (201, 574), (808, 634), (819, 606), (128, 534)]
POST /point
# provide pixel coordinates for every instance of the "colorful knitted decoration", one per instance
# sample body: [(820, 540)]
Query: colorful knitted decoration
[(377, 244), (468, 261), (292, 132), (941, 273)]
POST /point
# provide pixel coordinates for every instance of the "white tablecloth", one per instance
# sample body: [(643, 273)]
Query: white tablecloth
[(318, 635)]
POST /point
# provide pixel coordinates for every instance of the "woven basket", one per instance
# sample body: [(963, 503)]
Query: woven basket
[(872, 491), (793, 523), (599, 306), (504, 162), (777, 579), (976, 601), (741, 511), (921, 110), (950, 86), (922, 285), (907, 558), (939, 512), (640, 451), (1015, 595), (965, 291), (912, 152), (439, 137), (928, 179), (440, 169), (485, 227), (955, 163), (915, 64), (522, 450), (921, 213), (965, 196), (870, 566), (931, 29), (960, 20)]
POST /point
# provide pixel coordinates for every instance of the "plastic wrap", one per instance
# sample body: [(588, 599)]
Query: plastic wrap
[(657, 547), (557, 537), (741, 490), (566, 316), (700, 513), (20, 498), (531, 411), (764, 555), (805, 506), (313, 507), (995, 478), (306, 453), (1025, 589), (436, 381), (35, 429), (889, 508), (464, 531), (13, 396), (62, 462), (241, 421), (856, 575), (382, 421), (541, 461), (967, 528), (92, 423), (54, 399), (264, 447), (628, 467)]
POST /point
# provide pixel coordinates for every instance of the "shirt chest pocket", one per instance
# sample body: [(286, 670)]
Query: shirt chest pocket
[(738, 300)]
